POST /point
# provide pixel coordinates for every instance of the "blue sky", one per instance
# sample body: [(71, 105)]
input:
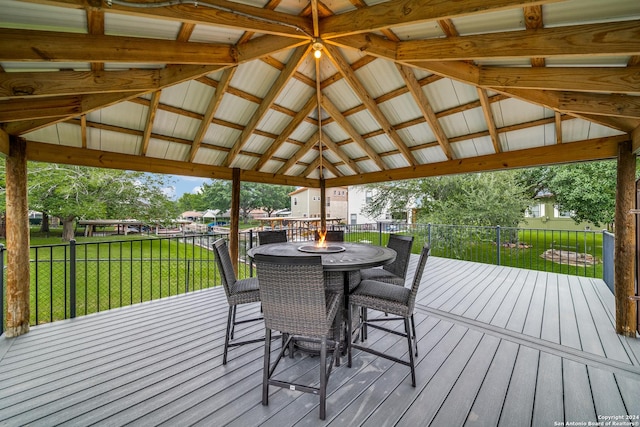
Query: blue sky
[(186, 184)]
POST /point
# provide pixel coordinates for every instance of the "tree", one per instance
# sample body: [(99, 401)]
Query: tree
[(586, 190), (71, 192), (486, 199), (192, 202), (217, 195), (273, 197)]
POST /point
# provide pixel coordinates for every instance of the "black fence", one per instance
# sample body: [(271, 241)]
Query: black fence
[(76, 279)]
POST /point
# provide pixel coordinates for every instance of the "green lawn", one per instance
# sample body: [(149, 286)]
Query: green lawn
[(116, 271)]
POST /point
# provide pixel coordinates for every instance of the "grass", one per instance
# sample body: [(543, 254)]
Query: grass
[(115, 271)]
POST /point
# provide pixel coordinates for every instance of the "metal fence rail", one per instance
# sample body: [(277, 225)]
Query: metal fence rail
[(76, 279)]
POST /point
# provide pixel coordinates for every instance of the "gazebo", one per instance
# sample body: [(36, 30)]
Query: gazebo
[(316, 94)]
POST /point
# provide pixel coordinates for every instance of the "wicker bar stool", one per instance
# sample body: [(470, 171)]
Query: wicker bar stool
[(295, 303), (277, 236), (396, 272), (393, 299), (238, 292)]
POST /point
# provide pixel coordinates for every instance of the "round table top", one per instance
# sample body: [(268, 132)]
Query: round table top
[(355, 256)]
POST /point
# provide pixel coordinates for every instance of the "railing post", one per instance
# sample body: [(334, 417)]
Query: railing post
[(379, 233), (498, 243), (429, 234), (1, 289), (250, 246), (72, 278)]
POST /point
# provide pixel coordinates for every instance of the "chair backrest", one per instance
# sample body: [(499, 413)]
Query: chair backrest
[(277, 236), (332, 236), (402, 245), (225, 266), (417, 278), (292, 294)]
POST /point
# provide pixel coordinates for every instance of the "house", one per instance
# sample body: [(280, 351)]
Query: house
[(359, 197), (305, 202), (545, 214)]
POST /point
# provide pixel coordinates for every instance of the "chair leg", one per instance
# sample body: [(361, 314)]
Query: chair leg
[(349, 336), (407, 329), (415, 337), (226, 337), (267, 366), (323, 378), (363, 332), (233, 322)]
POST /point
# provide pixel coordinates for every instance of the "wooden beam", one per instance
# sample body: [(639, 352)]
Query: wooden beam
[(95, 26), (635, 140), (83, 130), (4, 143), (338, 152), (342, 121), (359, 89), (558, 127), (18, 268), (265, 46), (214, 103), (299, 154), (234, 228), (533, 19), (425, 107), (595, 149), (168, 77), (282, 138), (60, 83), (267, 102), (488, 117), (50, 153), (148, 128), (622, 80), (600, 104), (30, 45), (625, 242), (591, 40), (397, 13), (215, 12)]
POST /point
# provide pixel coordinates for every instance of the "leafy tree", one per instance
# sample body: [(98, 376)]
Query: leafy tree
[(486, 199), (192, 202), (217, 195), (71, 192), (586, 190)]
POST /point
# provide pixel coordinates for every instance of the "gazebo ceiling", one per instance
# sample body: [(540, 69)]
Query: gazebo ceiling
[(402, 89)]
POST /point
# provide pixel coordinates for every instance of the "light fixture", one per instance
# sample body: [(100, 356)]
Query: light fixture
[(317, 49)]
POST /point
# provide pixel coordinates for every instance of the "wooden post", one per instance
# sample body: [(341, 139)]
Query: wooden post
[(323, 206), (235, 218), (18, 276), (625, 242)]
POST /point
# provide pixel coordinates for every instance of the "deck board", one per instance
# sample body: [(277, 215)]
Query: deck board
[(497, 346)]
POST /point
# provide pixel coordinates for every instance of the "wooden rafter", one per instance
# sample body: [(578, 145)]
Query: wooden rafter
[(300, 153), (397, 13), (425, 107), (592, 40), (355, 84), (282, 138), (214, 103), (95, 26), (151, 116), (342, 121), (267, 101), (341, 154), (488, 116), (532, 21)]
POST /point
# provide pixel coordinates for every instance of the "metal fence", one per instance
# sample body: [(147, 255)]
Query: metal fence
[(76, 279)]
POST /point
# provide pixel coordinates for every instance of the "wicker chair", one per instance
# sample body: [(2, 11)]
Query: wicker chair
[(393, 299), (266, 237), (331, 236), (295, 303), (396, 272), (238, 292)]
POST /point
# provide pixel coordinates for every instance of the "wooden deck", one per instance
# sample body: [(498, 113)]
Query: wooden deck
[(497, 346)]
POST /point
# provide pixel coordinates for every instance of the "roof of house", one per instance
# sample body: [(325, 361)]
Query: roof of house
[(402, 89)]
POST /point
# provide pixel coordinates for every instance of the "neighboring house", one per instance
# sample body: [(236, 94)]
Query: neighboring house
[(305, 202), (546, 215), (359, 197), (191, 216)]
